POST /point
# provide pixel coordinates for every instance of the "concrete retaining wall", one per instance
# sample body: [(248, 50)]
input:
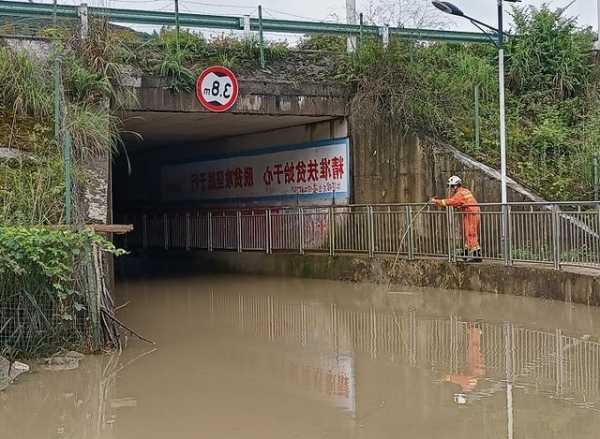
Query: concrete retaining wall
[(391, 167), (541, 282)]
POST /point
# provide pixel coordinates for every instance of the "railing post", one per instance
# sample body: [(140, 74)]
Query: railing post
[(506, 243), (166, 230), (371, 231), (409, 233), (556, 236), (188, 231), (301, 230), (239, 231), (82, 12), (331, 231), (558, 360), (509, 243), (144, 231), (209, 232), (412, 342), (268, 231), (451, 235)]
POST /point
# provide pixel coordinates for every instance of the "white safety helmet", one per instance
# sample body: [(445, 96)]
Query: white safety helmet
[(454, 181)]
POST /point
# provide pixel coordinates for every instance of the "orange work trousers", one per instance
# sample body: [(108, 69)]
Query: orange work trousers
[(471, 230)]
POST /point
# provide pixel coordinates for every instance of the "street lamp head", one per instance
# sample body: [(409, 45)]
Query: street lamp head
[(448, 8)]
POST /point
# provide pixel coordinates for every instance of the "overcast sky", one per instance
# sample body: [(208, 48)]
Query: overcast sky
[(485, 10)]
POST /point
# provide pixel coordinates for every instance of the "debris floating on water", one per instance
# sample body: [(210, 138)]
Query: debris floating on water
[(62, 361), (10, 371)]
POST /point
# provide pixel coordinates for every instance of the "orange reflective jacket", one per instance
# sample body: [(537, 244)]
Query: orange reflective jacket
[(463, 200)]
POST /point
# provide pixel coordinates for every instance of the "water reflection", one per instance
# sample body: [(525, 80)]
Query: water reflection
[(247, 357), (72, 404), (473, 355)]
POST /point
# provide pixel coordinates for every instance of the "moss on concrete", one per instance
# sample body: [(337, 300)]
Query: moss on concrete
[(542, 282)]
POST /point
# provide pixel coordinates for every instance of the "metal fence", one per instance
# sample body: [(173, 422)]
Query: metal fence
[(555, 234)]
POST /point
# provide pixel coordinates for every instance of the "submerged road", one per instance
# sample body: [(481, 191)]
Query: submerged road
[(257, 357)]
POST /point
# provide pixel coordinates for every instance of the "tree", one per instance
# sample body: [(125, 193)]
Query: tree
[(401, 13)]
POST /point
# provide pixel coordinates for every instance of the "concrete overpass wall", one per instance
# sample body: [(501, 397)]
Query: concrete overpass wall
[(391, 167), (255, 97)]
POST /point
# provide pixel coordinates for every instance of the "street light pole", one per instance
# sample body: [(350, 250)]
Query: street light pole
[(502, 103)]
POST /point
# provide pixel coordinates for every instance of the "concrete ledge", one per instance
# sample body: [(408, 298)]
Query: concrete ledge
[(256, 97), (568, 286)]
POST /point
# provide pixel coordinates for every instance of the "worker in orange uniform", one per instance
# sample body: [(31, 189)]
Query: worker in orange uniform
[(464, 201)]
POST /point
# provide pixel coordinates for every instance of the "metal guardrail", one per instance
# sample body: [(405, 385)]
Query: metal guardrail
[(161, 18), (556, 234)]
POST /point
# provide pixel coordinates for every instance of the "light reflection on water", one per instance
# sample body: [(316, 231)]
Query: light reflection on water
[(260, 357)]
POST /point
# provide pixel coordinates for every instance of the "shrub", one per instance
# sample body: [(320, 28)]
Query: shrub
[(44, 301)]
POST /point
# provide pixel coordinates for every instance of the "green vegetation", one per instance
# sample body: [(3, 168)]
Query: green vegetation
[(552, 98), (49, 282), (159, 55), (44, 302), (31, 183)]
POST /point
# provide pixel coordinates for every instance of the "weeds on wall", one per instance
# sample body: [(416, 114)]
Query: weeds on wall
[(51, 280), (31, 181), (180, 64)]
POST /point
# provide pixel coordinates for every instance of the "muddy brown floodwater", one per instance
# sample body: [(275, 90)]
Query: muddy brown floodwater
[(251, 357)]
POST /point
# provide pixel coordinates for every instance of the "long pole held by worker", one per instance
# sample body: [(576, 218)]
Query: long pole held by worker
[(406, 232)]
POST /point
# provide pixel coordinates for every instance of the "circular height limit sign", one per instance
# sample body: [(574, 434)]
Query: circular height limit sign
[(217, 89)]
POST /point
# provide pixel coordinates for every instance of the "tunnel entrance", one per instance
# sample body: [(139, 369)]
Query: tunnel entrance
[(192, 179), (205, 160), (178, 166)]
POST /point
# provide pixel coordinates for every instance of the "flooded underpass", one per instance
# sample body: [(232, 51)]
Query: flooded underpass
[(258, 357)]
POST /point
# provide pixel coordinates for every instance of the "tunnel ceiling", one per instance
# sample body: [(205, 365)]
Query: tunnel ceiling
[(145, 130)]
